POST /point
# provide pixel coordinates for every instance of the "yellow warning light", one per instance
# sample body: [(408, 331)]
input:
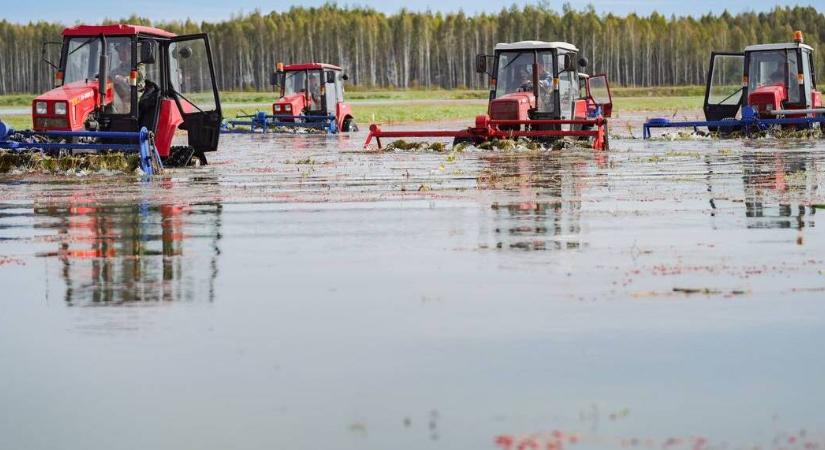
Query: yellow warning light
[(797, 37), (279, 67)]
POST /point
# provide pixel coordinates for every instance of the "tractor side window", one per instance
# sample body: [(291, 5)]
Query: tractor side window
[(793, 84), (120, 67), (515, 73), (806, 72), (599, 90), (314, 85), (295, 82), (567, 85), (339, 87), (725, 80), (546, 100), (190, 75)]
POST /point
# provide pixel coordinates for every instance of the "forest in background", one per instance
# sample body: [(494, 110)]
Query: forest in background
[(429, 49)]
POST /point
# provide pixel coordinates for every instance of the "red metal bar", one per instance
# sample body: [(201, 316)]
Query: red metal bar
[(488, 129), (597, 121)]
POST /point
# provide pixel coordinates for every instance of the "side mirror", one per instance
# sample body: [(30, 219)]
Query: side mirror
[(275, 78), (44, 51), (147, 52), (568, 63), (330, 77), (345, 77), (481, 63), (582, 62), (184, 52)]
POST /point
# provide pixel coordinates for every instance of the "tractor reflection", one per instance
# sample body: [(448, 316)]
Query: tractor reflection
[(545, 211), (122, 253), (778, 187)]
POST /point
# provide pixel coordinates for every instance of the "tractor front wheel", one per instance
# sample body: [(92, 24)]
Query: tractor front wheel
[(349, 125)]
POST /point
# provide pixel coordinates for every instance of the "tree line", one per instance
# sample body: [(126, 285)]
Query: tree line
[(431, 49)]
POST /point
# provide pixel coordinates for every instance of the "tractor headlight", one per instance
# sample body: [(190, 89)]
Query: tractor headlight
[(278, 108), (287, 108), (40, 108), (60, 108)]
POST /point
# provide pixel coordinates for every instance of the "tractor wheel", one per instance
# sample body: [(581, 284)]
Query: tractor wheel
[(349, 125), (201, 159), (179, 157)]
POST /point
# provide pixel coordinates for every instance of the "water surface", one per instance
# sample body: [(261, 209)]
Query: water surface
[(300, 293)]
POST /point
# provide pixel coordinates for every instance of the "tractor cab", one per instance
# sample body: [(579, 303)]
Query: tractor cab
[(540, 80), (121, 78), (312, 92), (773, 80)]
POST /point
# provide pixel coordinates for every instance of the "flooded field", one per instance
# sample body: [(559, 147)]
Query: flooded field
[(299, 293)]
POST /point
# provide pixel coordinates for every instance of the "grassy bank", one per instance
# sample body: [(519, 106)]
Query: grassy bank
[(397, 109), (23, 100)]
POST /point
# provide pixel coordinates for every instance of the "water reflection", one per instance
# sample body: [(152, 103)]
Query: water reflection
[(121, 253), (778, 187), (546, 211)]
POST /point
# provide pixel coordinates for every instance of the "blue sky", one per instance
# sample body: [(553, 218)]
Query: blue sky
[(70, 12)]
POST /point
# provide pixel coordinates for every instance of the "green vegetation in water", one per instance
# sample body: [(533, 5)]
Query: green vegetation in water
[(305, 161), (403, 145), (39, 162)]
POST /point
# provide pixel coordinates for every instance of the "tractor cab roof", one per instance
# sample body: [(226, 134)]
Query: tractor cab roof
[(115, 30), (536, 45), (765, 47), (310, 66)]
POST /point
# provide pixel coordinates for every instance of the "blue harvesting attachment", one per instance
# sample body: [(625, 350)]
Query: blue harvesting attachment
[(261, 122), (748, 123), (140, 142)]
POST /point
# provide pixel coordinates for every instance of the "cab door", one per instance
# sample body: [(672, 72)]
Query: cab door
[(192, 84), (724, 89), (598, 89)]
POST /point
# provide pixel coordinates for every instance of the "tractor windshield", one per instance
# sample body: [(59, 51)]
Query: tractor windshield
[(295, 82), (83, 63), (773, 68), (515, 72)]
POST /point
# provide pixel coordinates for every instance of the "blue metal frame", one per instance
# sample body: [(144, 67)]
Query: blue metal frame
[(142, 143), (749, 121), (261, 122)]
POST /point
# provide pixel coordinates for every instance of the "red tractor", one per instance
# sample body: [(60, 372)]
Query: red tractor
[(112, 81), (311, 96), (536, 92), (764, 86)]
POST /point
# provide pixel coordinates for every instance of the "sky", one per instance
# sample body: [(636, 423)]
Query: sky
[(76, 11)]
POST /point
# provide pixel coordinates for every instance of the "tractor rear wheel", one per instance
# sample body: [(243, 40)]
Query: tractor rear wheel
[(179, 156), (349, 125)]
